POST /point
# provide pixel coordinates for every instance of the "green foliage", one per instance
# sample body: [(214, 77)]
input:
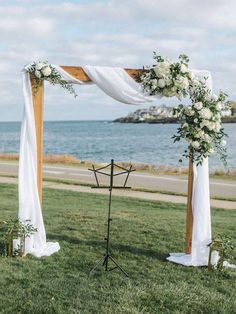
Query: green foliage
[(200, 121), (52, 76), (14, 227), (142, 234)]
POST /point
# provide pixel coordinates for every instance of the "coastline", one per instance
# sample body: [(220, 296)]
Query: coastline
[(164, 120)]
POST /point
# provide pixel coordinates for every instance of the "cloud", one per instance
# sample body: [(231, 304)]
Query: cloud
[(121, 33)]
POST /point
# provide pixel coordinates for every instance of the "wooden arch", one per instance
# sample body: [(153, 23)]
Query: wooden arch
[(38, 103)]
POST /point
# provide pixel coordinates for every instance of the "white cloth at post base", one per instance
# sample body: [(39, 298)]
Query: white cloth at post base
[(118, 84)]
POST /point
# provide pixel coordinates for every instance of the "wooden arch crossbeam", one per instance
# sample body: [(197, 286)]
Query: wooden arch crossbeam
[(38, 103)]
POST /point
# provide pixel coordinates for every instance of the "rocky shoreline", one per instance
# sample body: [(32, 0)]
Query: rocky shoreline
[(164, 120), (162, 114)]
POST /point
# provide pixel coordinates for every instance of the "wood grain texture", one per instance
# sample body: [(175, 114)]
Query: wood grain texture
[(189, 215), (79, 73), (38, 117)]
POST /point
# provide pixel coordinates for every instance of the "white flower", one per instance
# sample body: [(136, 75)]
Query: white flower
[(46, 71), (195, 144), (185, 125), (211, 151), (211, 126), (181, 82), (198, 105), (168, 81), (37, 74), (195, 120), (189, 112), (183, 68), (219, 106), (154, 83), (206, 138), (205, 113), (162, 69), (223, 142), (214, 97), (39, 66), (199, 134), (161, 83)]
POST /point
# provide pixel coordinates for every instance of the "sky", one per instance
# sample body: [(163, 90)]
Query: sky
[(113, 33)]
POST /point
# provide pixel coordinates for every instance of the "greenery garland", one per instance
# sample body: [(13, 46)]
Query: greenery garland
[(43, 71), (200, 122)]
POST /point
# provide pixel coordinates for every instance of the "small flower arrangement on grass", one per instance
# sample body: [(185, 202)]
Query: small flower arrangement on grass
[(166, 78), (44, 71), (12, 236), (201, 121)]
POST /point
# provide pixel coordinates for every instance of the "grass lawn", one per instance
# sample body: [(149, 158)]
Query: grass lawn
[(142, 234)]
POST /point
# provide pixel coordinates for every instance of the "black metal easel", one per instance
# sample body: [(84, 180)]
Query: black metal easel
[(107, 256)]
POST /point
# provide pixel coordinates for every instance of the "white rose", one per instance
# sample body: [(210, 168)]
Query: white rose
[(205, 113), (181, 82), (219, 106), (189, 111), (162, 69), (195, 120), (214, 97), (198, 105), (161, 83), (211, 126), (39, 66), (46, 71), (195, 144), (154, 83), (183, 68), (206, 138), (223, 142), (37, 74), (200, 134), (168, 81)]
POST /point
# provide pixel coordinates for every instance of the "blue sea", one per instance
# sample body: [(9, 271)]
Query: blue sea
[(102, 140)]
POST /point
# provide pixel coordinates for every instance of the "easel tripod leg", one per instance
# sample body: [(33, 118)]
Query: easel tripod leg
[(120, 268), (101, 261)]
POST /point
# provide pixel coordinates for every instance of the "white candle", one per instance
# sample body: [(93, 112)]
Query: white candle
[(16, 244), (215, 256)]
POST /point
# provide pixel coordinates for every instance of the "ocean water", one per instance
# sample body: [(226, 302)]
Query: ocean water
[(102, 140)]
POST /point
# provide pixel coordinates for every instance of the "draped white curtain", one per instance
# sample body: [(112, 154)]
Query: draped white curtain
[(119, 85)]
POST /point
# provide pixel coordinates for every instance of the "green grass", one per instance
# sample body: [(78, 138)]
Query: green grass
[(143, 232)]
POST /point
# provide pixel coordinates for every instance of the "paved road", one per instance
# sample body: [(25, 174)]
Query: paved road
[(218, 188), (127, 193)]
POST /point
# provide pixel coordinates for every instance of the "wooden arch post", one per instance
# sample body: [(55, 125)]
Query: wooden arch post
[(38, 119), (189, 215), (79, 74)]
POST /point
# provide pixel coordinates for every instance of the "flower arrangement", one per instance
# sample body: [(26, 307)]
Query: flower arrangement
[(167, 78), (200, 122), (44, 71), (12, 236)]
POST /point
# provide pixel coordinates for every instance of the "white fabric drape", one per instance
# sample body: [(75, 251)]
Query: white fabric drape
[(201, 234), (119, 85), (29, 204)]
